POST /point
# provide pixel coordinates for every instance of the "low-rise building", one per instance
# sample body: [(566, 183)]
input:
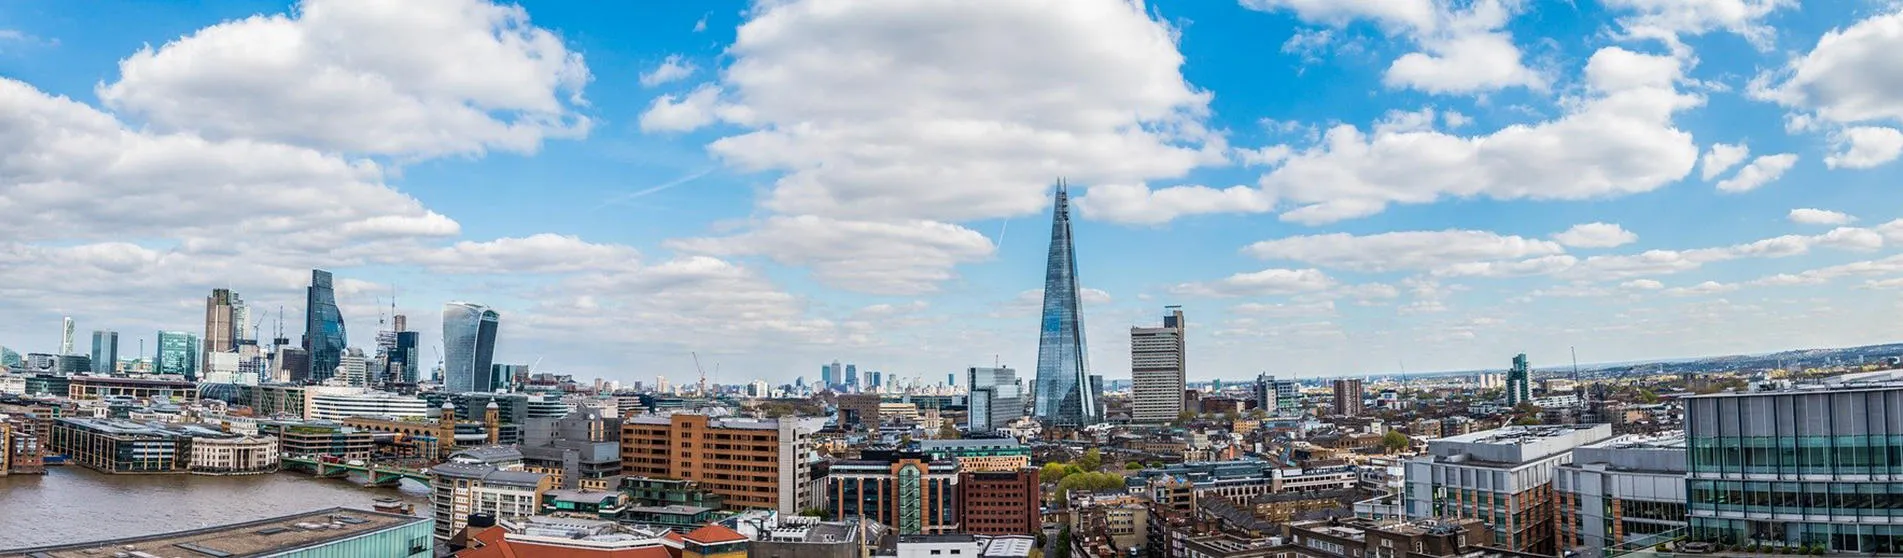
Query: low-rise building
[(1503, 477), (981, 454), (914, 492), (82, 388), (562, 536), (317, 438), (776, 535), (234, 455), (120, 447), (326, 532), (487, 481), (1624, 492)]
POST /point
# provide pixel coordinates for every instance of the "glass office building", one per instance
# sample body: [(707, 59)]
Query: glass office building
[(1062, 393), (324, 335), (1808, 466), (402, 358), (469, 346), (178, 354), (105, 352)]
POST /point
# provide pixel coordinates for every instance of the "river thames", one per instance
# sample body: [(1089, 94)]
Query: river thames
[(72, 504)]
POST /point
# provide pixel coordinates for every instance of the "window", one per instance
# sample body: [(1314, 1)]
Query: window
[(935, 552)]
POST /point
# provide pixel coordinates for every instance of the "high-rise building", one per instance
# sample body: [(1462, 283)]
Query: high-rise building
[(105, 352), (1502, 476), (354, 368), (324, 335), (1157, 364), (221, 327), (10, 358), (831, 374), (1063, 390), (66, 336), (910, 491), (178, 354), (996, 398), (1519, 382), (875, 379), (402, 359), (469, 347), (1348, 396), (852, 376), (773, 452)]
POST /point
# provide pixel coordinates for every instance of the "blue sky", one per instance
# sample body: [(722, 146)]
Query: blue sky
[(1328, 187)]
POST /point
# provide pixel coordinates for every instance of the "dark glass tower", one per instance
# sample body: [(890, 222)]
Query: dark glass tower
[(1063, 390), (469, 347), (324, 337)]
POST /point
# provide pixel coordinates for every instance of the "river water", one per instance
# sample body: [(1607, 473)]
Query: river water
[(72, 504)]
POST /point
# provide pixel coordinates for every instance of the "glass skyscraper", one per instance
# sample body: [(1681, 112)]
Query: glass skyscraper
[(105, 352), (324, 336), (1063, 394), (469, 347), (402, 358), (178, 354)]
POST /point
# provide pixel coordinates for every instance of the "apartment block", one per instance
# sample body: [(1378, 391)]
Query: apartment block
[(751, 463)]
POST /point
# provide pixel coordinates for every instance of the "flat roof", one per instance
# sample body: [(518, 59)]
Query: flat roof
[(252, 538)]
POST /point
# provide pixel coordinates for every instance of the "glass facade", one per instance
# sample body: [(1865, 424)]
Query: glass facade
[(403, 357), (1063, 395), (105, 352), (1798, 467), (324, 335), (469, 346), (178, 354)]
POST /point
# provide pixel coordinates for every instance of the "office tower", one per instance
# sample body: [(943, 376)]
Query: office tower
[(774, 452), (221, 329), (469, 346), (1813, 465), (911, 491), (178, 354), (1063, 377), (66, 336), (830, 374), (660, 384), (291, 364), (1623, 491), (353, 368), (995, 400), (324, 335), (403, 359), (758, 388), (1157, 363), (852, 376), (105, 352), (1348, 397), (1502, 476), (1519, 382), (951, 378), (10, 358), (508, 377)]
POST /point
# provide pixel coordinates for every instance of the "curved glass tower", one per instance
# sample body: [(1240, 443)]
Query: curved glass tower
[(469, 347), (324, 336), (1063, 392)]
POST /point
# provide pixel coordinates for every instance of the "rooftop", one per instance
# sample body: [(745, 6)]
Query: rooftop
[(254, 538)]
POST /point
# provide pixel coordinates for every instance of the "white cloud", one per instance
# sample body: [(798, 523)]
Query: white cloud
[(1721, 158), (1667, 19), (1267, 156), (1309, 43), (682, 113), (1643, 285), (1809, 216), (1705, 288), (1315, 309), (1543, 265), (1463, 50), (1596, 235), (1464, 64), (540, 253), (414, 78), (1125, 203), (875, 257), (1392, 251), (1862, 147), (1761, 171), (1849, 76), (674, 68), (1267, 282)]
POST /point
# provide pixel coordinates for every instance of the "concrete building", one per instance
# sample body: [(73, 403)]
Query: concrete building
[(583, 445), (1348, 397), (237, 455), (119, 447), (101, 387), (314, 534), (337, 403), (487, 481), (1158, 363), (911, 491), (997, 398), (999, 502), (753, 463), (1502, 476), (981, 454), (793, 536), (1623, 491)]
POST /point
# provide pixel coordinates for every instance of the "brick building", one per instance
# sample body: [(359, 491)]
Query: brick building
[(999, 502)]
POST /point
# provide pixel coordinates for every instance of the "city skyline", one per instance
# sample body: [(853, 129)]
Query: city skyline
[(639, 196)]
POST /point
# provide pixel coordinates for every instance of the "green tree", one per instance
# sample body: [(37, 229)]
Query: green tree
[(1529, 420), (814, 512), (1394, 441), (948, 431), (1063, 544), (1053, 472), (1647, 397), (1090, 481), (1091, 460), (1132, 466)]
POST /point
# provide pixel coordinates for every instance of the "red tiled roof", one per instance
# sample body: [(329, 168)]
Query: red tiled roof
[(713, 533)]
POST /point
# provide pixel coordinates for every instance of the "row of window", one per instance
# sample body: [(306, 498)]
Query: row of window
[(1789, 455), (1834, 498)]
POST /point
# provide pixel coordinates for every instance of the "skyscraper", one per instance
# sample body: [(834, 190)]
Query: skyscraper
[(66, 336), (1519, 382), (402, 359), (105, 352), (1348, 396), (324, 335), (1063, 378), (221, 325), (996, 398), (178, 354), (1157, 363), (469, 347), (852, 376)]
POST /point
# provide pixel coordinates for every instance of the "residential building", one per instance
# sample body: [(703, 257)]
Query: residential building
[(469, 346), (1623, 493), (912, 491), (324, 334), (105, 355), (1519, 382), (1157, 367), (999, 502), (1277, 397), (1063, 393), (1348, 396), (997, 398), (178, 354), (1502, 476), (981, 454), (487, 481), (751, 463), (313, 534)]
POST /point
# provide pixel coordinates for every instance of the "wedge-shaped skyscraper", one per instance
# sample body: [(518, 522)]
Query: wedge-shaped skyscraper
[(1063, 393)]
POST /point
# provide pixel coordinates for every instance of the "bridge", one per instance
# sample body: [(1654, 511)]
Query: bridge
[(375, 475)]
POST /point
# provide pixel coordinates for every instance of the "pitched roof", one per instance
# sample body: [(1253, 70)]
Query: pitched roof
[(713, 533)]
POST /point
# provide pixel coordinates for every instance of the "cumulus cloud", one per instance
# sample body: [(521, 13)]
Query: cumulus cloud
[(1721, 158), (673, 68), (1273, 281), (909, 257), (1463, 48), (1848, 77), (1862, 147), (1761, 171), (1810, 216), (1668, 19), (413, 78), (1127, 203), (1417, 250), (1596, 235), (682, 113)]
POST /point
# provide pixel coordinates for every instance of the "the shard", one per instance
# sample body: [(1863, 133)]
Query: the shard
[(1063, 393)]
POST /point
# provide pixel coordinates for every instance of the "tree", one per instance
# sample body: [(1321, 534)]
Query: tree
[(1090, 481), (1091, 460), (1132, 465), (1394, 441), (948, 431), (1646, 396), (1529, 420), (1063, 544), (1053, 472), (814, 512)]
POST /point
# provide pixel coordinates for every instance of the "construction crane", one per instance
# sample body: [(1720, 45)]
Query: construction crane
[(702, 371)]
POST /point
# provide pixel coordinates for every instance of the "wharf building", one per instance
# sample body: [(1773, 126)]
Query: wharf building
[(911, 491), (1810, 465), (1503, 477), (981, 454), (485, 480), (22, 449), (1157, 367), (750, 463), (1624, 493), (127, 447), (314, 534)]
